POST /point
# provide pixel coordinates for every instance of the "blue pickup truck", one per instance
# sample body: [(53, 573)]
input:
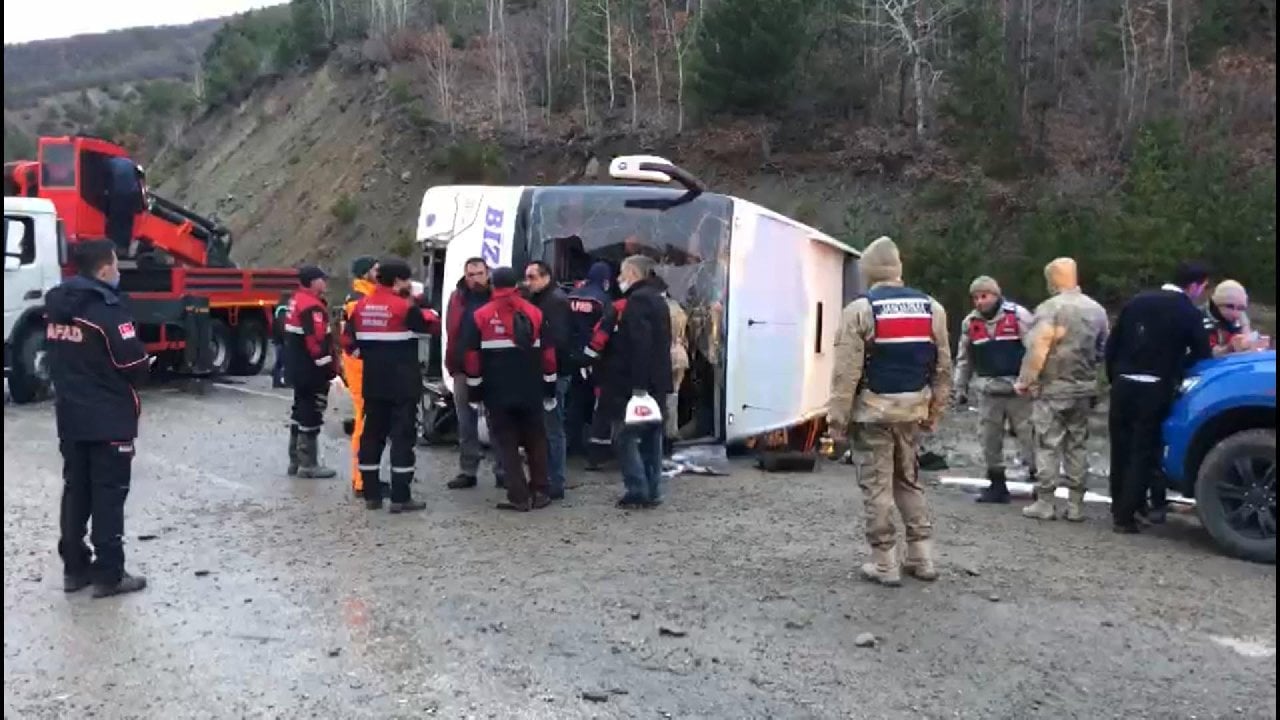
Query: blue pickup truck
[(1220, 448)]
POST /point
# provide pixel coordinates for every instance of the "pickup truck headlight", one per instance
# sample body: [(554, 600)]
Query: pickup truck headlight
[(1188, 384)]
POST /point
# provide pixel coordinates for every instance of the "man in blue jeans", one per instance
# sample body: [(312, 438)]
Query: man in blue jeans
[(637, 362), (554, 304)]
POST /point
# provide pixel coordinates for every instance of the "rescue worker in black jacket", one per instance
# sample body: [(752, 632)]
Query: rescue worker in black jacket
[(554, 304), (96, 360), (587, 305), (309, 359), (383, 331)]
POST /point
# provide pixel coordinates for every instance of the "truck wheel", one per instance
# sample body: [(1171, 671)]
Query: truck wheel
[(220, 347), (29, 382), (1236, 495), (249, 354)]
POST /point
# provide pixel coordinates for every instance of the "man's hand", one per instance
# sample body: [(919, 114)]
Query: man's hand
[(929, 424), (1022, 389), (1241, 342), (549, 404), (475, 406)]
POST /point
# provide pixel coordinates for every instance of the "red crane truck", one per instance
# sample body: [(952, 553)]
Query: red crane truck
[(198, 313)]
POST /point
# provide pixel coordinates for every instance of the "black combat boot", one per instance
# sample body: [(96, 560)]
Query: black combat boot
[(309, 458), (293, 451), (998, 490)]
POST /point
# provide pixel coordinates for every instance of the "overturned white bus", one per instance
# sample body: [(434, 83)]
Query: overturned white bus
[(763, 292)]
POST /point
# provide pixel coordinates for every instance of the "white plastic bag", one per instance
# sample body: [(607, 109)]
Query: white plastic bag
[(642, 409)]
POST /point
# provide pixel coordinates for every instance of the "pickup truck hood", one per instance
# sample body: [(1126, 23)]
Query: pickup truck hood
[(1236, 361)]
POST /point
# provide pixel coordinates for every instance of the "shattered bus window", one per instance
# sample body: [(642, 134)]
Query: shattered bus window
[(571, 227)]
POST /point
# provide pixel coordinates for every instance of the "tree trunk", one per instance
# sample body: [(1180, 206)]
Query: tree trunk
[(608, 51), (631, 79)]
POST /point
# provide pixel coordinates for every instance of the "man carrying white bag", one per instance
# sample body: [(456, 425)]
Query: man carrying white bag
[(634, 372)]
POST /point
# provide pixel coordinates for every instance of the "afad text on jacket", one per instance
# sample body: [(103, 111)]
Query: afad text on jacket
[(96, 359)]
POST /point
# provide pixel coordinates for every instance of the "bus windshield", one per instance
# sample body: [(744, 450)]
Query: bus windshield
[(571, 227)]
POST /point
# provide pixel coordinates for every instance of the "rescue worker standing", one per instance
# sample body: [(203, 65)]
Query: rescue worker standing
[(587, 304), (1157, 336), (512, 372), (553, 303), (472, 293), (892, 378), (363, 278), (599, 355), (309, 350), (991, 348), (96, 360), (383, 331), (1060, 373), (278, 317)]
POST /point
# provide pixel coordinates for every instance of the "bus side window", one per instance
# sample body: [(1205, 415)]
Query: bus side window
[(817, 338)]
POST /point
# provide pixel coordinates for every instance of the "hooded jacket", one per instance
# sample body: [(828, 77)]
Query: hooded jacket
[(1067, 338), (96, 359), (856, 347)]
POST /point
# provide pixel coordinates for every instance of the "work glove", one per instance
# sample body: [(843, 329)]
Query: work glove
[(549, 404)]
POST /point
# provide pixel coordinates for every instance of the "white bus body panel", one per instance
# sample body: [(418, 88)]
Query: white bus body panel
[(786, 287), (468, 221)]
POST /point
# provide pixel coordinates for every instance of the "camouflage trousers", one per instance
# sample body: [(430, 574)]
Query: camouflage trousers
[(995, 411), (893, 480), (1062, 429)]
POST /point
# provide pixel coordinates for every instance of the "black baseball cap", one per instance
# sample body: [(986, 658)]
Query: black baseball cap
[(308, 274)]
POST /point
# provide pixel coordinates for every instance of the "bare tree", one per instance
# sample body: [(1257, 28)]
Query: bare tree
[(678, 32), (631, 76), (328, 17), (437, 54), (911, 25)]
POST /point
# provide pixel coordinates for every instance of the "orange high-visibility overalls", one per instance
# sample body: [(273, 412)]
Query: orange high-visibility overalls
[(353, 375)]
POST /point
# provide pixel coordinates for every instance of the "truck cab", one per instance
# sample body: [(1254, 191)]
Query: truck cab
[(1220, 448), (34, 252)]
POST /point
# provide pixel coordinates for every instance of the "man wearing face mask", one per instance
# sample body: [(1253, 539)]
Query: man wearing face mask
[(96, 361), (383, 331), (1226, 321), (1158, 335), (991, 348)]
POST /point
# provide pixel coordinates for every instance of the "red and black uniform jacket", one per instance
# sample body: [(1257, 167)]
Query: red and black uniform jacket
[(462, 302), (604, 329), (383, 331), (502, 372), (96, 359), (308, 345)]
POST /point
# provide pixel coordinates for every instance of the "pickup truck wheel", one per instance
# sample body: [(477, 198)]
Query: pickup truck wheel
[(1236, 495), (220, 347), (29, 382), (249, 353)]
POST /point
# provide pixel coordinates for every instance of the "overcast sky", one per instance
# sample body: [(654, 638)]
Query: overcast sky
[(26, 20)]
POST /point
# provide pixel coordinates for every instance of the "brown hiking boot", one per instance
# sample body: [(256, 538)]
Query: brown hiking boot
[(882, 568), (919, 560)]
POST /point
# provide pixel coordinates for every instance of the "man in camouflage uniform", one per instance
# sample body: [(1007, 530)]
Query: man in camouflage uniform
[(892, 378), (991, 346), (1060, 372)]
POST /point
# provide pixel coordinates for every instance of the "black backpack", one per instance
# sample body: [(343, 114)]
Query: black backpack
[(522, 330)]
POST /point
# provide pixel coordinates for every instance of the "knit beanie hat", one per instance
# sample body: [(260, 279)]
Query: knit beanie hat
[(880, 262), (984, 283)]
